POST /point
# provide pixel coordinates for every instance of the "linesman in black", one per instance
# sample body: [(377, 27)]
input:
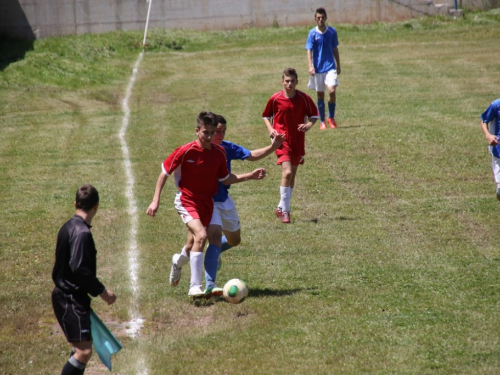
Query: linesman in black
[(75, 278)]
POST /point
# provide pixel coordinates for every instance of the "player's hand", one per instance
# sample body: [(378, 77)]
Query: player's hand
[(493, 140), (338, 70), (278, 140), (312, 71), (108, 296), (152, 209), (305, 127), (273, 134), (258, 174)]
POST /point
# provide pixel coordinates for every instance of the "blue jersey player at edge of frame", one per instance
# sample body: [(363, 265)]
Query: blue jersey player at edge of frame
[(490, 125)]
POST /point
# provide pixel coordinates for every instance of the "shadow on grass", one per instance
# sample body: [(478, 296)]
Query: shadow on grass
[(267, 292), (339, 218), (13, 50), (255, 293), (348, 127)]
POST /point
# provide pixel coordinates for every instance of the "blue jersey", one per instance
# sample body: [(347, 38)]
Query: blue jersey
[(322, 46), (233, 152), (492, 117)]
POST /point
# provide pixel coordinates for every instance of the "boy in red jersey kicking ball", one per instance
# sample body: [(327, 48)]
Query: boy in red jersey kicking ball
[(288, 111), (197, 168)]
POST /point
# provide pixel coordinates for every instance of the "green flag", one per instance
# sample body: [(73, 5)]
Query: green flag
[(105, 343)]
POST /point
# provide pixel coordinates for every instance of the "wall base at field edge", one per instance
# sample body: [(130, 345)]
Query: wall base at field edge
[(34, 19)]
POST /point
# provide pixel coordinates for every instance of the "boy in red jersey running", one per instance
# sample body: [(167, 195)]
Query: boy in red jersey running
[(288, 111), (198, 167)]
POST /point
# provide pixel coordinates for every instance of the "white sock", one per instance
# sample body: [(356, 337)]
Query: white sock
[(183, 259), (196, 262), (285, 198)]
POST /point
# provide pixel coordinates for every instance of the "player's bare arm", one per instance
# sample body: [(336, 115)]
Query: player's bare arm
[(155, 204), (257, 174), (336, 55), (272, 132), (490, 138), (265, 151), (310, 63)]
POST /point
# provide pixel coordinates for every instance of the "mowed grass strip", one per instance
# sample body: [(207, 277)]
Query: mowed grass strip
[(390, 265)]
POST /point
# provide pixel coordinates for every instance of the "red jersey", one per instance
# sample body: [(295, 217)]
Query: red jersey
[(197, 170), (288, 113)]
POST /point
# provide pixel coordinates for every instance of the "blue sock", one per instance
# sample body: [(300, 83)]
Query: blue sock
[(321, 109), (225, 246), (211, 262), (331, 110)]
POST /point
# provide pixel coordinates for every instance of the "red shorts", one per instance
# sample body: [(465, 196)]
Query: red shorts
[(296, 160), (189, 209), (286, 153)]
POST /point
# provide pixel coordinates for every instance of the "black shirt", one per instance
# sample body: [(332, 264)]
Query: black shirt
[(75, 266)]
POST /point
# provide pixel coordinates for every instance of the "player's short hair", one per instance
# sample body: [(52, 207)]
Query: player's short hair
[(207, 119), (321, 11), (290, 72), (221, 120), (86, 197)]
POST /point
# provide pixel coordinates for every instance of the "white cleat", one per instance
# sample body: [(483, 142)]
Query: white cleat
[(196, 292), (175, 272)]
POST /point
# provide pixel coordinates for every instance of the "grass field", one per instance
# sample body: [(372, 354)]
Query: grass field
[(390, 265)]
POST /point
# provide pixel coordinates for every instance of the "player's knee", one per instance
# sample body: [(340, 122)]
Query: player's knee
[(235, 241), (287, 175), (213, 238), (214, 234), (83, 355), (200, 238)]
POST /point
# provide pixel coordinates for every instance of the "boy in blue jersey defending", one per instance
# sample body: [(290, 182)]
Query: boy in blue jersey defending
[(225, 217), (490, 125), (324, 65)]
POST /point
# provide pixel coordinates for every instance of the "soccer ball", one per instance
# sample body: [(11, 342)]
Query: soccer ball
[(235, 291)]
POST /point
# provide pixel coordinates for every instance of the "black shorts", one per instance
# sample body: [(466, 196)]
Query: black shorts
[(73, 314)]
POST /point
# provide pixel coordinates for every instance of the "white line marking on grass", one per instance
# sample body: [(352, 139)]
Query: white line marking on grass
[(136, 322)]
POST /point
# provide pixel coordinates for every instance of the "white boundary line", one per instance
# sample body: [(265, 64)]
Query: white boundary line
[(136, 321), (147, 23)]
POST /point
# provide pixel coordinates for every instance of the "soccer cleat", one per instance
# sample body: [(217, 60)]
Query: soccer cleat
[(175, 272), (279, 213), (285, 217), (213, 291), (498, 194), (322, 126), (196, 292), (332, 123)]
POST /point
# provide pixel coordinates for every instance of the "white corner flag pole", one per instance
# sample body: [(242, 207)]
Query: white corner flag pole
[(147, 23)]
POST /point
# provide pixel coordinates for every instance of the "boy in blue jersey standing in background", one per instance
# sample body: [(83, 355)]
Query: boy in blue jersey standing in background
[(225, 217), (490, 125), (324, 65)]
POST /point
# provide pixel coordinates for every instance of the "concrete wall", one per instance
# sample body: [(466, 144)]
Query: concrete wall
[(30, 19)]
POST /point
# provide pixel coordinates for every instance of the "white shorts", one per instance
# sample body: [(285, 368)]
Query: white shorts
[(181, 210), (225, 215), (320, 81), (495, 167)]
